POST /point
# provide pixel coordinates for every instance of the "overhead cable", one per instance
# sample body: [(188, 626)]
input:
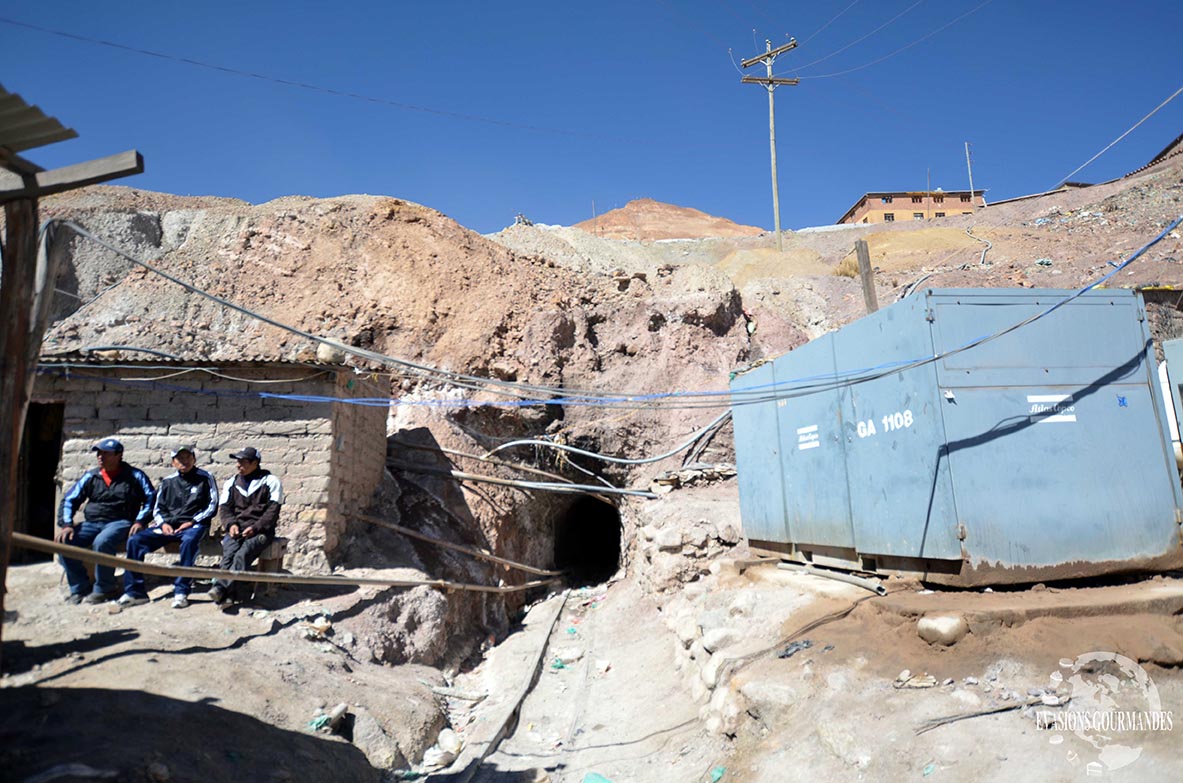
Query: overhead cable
[(1109, 146), (858, 40), (774, 391), (942, 28), (827, 24), (606, 458), (454, 115)]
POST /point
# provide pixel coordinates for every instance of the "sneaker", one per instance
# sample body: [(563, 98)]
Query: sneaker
[(74, 599), (180, 601), (132, 600), (217, 594), (96, 598)]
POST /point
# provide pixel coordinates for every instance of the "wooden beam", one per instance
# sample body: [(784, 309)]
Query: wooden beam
[(18, 274), (44, 183)]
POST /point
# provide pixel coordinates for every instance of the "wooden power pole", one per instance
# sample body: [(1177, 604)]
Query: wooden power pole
[(866, 275), (27, 276), (770, 83), (973, 204)]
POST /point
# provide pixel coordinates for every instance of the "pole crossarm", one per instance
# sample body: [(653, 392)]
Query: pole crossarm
[(37, 184), (771, 81), (770, 54)]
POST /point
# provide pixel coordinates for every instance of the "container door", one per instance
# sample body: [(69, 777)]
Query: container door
[(757, 458), (901, 494), (814, 455), (1056, 435)]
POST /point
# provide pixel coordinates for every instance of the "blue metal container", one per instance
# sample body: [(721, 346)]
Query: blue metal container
[(1040, 454)]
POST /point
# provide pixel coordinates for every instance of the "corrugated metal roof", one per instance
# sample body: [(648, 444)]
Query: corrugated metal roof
[(23, 127)]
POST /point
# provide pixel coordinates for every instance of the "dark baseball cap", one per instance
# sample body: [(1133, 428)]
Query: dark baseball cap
[(250, 452), (108, 444), (183, 449)]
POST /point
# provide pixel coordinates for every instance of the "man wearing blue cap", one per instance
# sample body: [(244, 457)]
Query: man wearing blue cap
[(185, 504), (116, 496)]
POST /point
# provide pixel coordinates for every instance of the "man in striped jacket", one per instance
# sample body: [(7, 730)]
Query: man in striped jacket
[(185, 504), (116, 496)]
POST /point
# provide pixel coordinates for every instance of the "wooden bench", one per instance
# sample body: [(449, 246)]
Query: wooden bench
[(270, 560)]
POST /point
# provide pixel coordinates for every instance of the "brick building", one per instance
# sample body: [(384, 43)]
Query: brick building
[(329, 454), (888, 207)]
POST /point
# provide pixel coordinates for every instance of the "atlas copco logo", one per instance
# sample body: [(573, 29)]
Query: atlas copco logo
[(1109, 704)]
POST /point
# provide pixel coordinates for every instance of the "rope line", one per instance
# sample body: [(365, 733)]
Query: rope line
[(468, 550), (88, 556)]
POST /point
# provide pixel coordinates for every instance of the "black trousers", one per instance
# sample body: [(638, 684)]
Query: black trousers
[(238, 554)]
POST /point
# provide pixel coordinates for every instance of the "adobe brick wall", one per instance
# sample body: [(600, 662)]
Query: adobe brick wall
[(329, 455)]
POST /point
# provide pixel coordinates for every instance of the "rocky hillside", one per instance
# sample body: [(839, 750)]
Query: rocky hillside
[(646, 220)]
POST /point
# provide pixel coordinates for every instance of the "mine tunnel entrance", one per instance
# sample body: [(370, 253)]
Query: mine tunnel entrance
[(587, 541)]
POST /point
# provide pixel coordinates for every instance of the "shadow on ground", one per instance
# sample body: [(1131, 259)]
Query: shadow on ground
[(123, 732)]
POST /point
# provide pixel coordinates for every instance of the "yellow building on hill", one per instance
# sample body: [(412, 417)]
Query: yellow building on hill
[(890, 206)]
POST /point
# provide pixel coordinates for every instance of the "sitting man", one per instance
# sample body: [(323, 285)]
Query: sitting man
[(249, 510), (185, 503), (116, 495)]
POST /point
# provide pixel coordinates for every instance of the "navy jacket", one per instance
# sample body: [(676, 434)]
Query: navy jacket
[(186, 496), (129, 497)]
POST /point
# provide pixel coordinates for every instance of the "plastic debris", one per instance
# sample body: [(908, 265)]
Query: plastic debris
[(929, 769), (572, 630), (595, 777), (717, 774), (908, 680), (1043, 261), (557, 664), (316, 629), (794, 648), (437, 758)]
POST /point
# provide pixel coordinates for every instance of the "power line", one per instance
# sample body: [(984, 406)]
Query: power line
[(1154, 111), (827, 24), (664, 141), (923, 38), (859, 40)]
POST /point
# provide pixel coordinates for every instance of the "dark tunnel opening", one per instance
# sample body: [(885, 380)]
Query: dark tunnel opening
[(587, 541)]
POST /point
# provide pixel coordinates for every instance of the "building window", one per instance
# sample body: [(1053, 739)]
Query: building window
[(939, 199), (918, 216), (965, 199), (940, 214), (888, 217), (866, 220), (967, 213), (917, 199), (886, 199)]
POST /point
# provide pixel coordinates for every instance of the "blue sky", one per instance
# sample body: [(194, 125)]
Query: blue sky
[(601, 102)]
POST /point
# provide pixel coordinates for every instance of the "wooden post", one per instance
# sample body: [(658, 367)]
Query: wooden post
[(866, 275), (17, 283)]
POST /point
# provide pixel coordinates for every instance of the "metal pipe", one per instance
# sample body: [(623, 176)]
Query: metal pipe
[(874, 585)]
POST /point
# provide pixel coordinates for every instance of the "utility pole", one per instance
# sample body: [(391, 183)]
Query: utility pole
[(973, 205), (770, 83)]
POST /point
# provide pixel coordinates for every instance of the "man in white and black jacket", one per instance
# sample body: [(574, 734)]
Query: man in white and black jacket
[(185, 504), (249, 511)]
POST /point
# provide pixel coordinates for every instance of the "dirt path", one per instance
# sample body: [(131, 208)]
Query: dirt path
[(608, 700)]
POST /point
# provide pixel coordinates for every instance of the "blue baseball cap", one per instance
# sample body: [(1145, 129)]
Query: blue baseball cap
[(108, 444)]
